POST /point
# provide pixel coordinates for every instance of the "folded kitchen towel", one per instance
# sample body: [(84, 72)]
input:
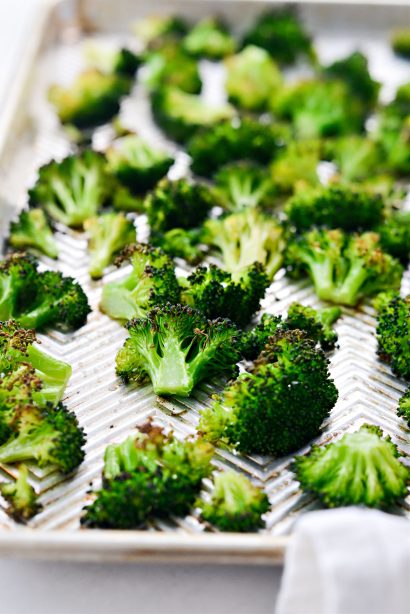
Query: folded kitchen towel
[(347, 561)]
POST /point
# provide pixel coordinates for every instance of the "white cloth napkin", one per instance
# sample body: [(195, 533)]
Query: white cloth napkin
[(347, 561)]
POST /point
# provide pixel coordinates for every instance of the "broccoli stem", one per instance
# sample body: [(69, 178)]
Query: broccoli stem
[(31, 444), (53, 373), (172, 374), (329, 315), (37, 317), (322, 274), (100, 260)]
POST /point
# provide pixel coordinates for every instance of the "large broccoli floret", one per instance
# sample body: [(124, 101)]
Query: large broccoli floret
[(21, 497), (296, 167), (344, 269), (393, 334), (214, 292), (357, 157), (282, 35), (362, 468), (111, 60), (180, 114), (151, 282), (403, 409), (252, 78), (178, 204), (400, 42), (245, 139), (236, 504), (93, 98), (171, 65), (335, 206), (280, 405), (155, 30), (177, 347), (180, 243), (146, 476), (108, 234), (244, 238), (74, 189), (209, 38), (32, 231), (395, 235), (51, 437), (136, 164), (245, 184)]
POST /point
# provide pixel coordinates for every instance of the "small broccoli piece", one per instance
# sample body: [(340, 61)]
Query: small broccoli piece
[(252, 78), (32, 230), (176, 347), (109, 60), (216, 295), (282, 35), (180, 115), (51, 437), (74, 189), (17, 390), (155, 31), (229, 141), (21, 497), (209, 38), (151, 282), (93, 98), (280, 405), (108, 234), (400, 42), (296, 167), (319, 109), (335, 206), (393, 334), (146, 476), (18, 277), (403, 409), (344, 269), (124, 200), (362, 468), (180, 243), (236, 504), (244, 238), (393, 134), (395, 236), (245, 184), (178, 204), (170, 65), (356, 157)]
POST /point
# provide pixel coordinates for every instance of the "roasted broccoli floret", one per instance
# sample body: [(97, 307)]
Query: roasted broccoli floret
[(21, 497), (282, 35), (393, 134), (403, 409), (178, 204), (146, 476), (296, 167), (151, 282), (400, 41), (209, 38), (395, 235), (93, 98), (393, 334), (217, 295), (136, 164), (49, 437), (32, 231), (74, 189), (344, 269), (335, 206), (108, 234), (357, 157), (280, 405), (181, 114), (18, 280), (245, 139), (110, 60), (245, 184), (176, 347), (236, 504), (171, 65), (156, 30), (180, 243), (362, 468), (244, 238), (252, 78)]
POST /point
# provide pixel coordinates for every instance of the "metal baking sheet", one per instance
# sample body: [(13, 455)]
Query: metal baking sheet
[(29, 136)]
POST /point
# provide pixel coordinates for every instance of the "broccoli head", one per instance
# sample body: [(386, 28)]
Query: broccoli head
[(280, 405), (152, 282), (108, 234), (155, 30), (176, 347), (393, 334), (245, 184), (236, 504), (252, 78), (18, 279), (344, 269), (357, 157), (246, 237), (110, 60), (393, 135), (170, 65), (403, 409), (180, 243), (296, 167), (400, 42), (74, 189), (362, 468), (209, 38), (215, 294), (21, 497), (395, 235), (32, 231)]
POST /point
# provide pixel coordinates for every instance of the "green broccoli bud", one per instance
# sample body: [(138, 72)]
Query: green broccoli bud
[(393, 134), (252, 78), (108, 234), (209, 38), (21, 497), (111, 61), (180, 243), (124, 200), (155, 31), (244, 238), (32, 230), (245, 184), (236, 504), (393, 334), (151, 282), (356, 157), (403, 409), (296, 167), (176, 347), (362, 468), (395, 236), (400, 42), (170, 65)]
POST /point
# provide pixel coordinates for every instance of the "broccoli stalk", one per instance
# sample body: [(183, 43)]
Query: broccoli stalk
[(21, 497), (244, 184), (31, 230), (108, 234)]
